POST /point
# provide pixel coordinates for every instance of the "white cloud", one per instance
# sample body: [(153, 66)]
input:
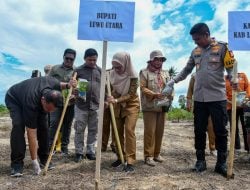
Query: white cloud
[(38, 32)]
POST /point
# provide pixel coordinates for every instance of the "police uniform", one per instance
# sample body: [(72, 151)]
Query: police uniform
[(210, 129), (210, 95)]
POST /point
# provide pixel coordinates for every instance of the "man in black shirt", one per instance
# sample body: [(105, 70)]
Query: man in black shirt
[(29, 102)]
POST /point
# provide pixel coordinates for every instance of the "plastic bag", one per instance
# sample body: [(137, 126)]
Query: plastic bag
[(164, 103), (241, 96), (82, 86)]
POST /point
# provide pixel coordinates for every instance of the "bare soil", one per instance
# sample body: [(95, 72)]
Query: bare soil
[(174, 173)]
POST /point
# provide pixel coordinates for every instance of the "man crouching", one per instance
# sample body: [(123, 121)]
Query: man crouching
[(29, 102)]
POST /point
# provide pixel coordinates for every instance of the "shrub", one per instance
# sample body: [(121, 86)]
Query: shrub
[(179, 114), (3, 110)]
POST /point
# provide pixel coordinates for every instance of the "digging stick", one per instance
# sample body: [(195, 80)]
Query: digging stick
[(58, 128), (111, 107), (233, 127)]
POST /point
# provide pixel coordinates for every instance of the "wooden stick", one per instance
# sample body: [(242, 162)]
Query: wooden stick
[(100, 117), (111, 107), (58, 128), (233, 127)]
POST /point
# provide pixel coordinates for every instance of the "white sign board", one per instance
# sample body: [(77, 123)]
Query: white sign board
[(239, 30), (106, 21)]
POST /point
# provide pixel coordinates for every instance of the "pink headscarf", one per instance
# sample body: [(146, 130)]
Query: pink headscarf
[(121, 82)]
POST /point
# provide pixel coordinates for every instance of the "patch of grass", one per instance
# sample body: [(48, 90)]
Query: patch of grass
[(178, 114), (3, 110)]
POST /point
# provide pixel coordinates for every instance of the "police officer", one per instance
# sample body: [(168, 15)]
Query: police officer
[(210, 58), (210, 128)]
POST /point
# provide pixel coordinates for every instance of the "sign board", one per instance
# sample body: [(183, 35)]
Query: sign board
[(239, 30), (106, 21)]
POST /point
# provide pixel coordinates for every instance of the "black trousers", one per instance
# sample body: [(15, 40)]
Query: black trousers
[(218, 113), (239, 116), (17, 137), (66, 125)]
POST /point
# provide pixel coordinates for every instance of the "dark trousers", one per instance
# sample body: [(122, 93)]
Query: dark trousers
[(66, 125), (17, 138), (239, 116), (218, 113)]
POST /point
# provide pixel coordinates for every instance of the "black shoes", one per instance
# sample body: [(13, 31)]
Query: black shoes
[(79, 158), (16, 172), (91, 156), (221, 169), (116, 164), (200, 166), (51, 166), (65, 150), (113, 148), (129, 168)]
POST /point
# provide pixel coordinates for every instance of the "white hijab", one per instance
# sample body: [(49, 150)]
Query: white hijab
[(121, 82)]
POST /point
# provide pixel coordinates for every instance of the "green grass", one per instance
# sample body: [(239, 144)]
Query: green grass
[(176, 114), (3, 110)]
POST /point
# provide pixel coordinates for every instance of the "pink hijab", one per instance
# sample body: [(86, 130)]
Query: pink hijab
[(121, 82)]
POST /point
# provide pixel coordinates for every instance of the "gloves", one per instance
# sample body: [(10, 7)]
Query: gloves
[(169, 88), (171, 83), (36, 167)]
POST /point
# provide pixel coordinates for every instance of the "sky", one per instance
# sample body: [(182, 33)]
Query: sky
[(34, 34)]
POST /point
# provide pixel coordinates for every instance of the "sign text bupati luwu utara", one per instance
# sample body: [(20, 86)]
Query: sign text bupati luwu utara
[(106, 20)]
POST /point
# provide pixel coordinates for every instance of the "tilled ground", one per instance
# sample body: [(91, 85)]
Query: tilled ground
[(174, 173)]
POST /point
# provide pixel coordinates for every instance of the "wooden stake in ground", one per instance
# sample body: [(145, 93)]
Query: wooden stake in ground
[(114, 122), (100, 117), (233, 126), (58, 128)]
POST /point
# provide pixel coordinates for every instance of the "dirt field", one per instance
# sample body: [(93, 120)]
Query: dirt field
[(174, 173)]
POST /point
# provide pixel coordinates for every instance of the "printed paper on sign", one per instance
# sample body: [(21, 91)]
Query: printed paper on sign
[(239, 30), (106, 21)]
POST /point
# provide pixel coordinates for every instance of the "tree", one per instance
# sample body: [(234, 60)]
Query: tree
[(182, 101), (172, 71)]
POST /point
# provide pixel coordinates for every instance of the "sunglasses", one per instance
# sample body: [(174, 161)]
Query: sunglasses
[(69, 59), (158, 59)]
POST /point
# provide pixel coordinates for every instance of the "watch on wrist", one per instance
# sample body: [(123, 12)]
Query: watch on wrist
[(67, 85)]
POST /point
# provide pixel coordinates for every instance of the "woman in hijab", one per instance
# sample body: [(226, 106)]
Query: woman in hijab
[(124, 84), (152, 80)]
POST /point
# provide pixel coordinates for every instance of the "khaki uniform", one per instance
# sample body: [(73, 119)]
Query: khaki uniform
[(106, 130), (126, 114), (210, 129), (153, 117)]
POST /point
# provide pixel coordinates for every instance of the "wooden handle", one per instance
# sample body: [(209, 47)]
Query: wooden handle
[(58, 128), (114, 122)]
